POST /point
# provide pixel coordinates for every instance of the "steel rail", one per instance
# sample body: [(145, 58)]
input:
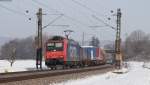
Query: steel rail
[(19, 76)]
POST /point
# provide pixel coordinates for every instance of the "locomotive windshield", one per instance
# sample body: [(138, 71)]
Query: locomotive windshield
[(55, 46)]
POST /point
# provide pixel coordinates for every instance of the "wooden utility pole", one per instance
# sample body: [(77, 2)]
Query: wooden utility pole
[(39, 40), (118, 40)]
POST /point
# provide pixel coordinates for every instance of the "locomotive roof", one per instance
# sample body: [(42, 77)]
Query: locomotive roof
[(61, 38), (57, 38)]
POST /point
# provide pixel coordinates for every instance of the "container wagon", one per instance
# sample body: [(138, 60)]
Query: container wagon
[(93, 55)]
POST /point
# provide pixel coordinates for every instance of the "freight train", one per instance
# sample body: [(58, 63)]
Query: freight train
[(68, 53)]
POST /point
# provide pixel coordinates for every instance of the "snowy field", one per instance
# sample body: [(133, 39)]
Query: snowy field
[(137, 75), (19, 65)]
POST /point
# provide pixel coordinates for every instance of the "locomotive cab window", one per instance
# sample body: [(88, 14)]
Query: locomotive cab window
[(50, 46), (57, 46)]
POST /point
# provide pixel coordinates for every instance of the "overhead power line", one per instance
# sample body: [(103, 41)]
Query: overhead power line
[(103, 22), (96, 26), (61, 13), (52, 21), (60, 25), (83, 13), (6, 0), (12, 10), (42, 4), (93, 11), (88, 8), (75, 20)]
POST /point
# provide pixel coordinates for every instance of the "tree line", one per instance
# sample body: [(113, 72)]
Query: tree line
[(137, 46), (24, 49), (134, 47)]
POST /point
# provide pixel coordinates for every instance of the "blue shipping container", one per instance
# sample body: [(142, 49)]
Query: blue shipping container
[(90, 52)]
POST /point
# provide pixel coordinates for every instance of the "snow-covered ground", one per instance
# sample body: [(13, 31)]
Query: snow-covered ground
[(19, 65), (137, 75)]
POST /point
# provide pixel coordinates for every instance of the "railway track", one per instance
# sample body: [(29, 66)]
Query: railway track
[(26, 75)]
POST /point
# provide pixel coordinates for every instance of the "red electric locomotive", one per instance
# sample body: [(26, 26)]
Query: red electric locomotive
[(55, 51), (61, 51)]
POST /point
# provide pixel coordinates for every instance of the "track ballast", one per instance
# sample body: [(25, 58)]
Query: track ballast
[(26, 75)]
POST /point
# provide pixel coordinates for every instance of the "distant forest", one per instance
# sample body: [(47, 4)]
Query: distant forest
[(24, 49), (135, 47)]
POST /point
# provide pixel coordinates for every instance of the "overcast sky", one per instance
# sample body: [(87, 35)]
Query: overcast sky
[(14, 21)]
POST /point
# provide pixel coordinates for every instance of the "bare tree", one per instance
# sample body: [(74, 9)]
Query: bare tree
[(24, 49), (12, 56), (94, 42), (6, 50), (136, 45), (110, 46)]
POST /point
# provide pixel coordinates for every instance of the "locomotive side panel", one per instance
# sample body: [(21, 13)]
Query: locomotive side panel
[(73, 53)]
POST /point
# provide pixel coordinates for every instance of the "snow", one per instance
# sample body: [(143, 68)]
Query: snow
[(122, 70), (147, 65), (19, 65), (136, 75)]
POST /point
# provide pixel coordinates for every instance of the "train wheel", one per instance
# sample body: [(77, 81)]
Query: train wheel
[(67, 67), (64, 67), (51, 68), (71, 66), (55, 67)]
